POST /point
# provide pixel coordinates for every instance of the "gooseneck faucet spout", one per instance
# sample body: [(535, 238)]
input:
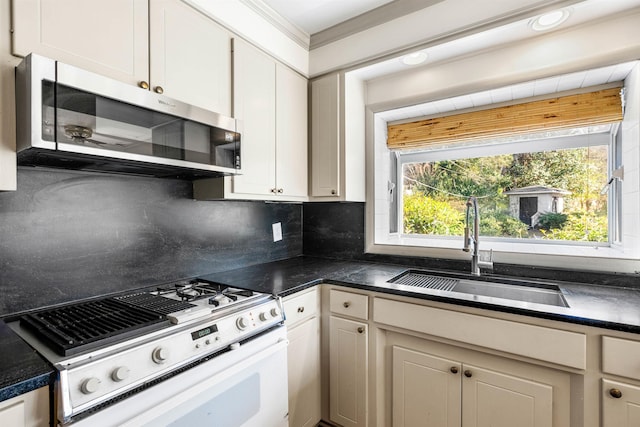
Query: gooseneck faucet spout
[(472, 203)]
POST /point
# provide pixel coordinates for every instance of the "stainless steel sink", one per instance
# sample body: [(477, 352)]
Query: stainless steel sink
[(516, 290)]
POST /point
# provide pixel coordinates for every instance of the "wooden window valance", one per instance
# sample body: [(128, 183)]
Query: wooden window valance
[(585, 109)]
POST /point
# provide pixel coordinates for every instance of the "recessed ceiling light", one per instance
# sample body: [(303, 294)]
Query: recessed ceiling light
[(549, 20), (414, 58)]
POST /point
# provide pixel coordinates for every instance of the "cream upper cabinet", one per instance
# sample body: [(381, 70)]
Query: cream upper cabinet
[(337, 138), (270, 100), (325, 136), (190, 56), (107, 37), (162, 45)]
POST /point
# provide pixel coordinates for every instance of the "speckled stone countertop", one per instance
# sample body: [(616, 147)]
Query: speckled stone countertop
[(23, 370), (592, 305), (608, 307)]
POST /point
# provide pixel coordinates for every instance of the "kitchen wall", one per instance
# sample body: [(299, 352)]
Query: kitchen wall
[(68, 235)]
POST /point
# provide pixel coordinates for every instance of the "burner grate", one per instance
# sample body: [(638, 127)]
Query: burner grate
[(158, 304), (78, 327)]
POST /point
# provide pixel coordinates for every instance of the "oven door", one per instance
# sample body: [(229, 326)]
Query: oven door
[(244, 387)]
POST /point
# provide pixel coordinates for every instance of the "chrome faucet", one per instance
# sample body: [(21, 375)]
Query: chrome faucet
[(472, 203)]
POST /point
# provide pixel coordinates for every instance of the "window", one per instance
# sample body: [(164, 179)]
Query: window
[(542, 187)]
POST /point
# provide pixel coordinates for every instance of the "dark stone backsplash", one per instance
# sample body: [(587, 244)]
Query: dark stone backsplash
[(68, 235)]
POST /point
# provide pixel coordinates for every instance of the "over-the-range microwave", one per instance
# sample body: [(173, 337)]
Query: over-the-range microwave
[(75, 119)]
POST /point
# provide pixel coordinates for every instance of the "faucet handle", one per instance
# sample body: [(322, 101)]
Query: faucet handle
[(485, 261), (466, 240)]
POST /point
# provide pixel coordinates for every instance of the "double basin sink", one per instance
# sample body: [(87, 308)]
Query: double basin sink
[(515, 290)]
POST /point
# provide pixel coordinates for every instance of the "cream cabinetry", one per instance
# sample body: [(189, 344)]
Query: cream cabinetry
[(620, 404), (348, 359), (430, 390), (27, 410), (303, 323), (270, 100), (337, 139), (163, 45)]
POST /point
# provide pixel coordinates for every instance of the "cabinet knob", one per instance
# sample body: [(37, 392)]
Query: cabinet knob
[(273, 190), (143, 84), (158, 89), (360, 329), (300, 309), (280, 190), (333, 192), (468, 374), (346, 304), (615, 393), (454, 369)]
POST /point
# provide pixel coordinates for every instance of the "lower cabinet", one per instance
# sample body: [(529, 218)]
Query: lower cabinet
[(27, 410), (303, 358), (434, 391), (620, 404), (348, 366)]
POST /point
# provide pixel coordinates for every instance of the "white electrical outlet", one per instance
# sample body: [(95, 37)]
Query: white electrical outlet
[(277, 231)]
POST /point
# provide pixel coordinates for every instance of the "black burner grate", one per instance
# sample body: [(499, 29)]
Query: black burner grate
[(78, 327), (158, 304)]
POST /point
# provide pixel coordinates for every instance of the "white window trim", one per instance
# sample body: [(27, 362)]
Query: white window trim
[(614, 257)]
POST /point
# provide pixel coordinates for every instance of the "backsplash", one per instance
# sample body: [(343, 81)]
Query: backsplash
[(69, 235)]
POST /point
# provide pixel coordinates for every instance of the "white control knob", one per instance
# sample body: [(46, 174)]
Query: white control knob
[(159, 355), (235, 346), (90, 385), (275, 312), (120, 374), (263, 316), (242, 323)]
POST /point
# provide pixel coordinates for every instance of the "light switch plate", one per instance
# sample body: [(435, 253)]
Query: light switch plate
[(277, 231)]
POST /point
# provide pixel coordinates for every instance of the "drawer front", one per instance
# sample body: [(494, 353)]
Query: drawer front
[(620, 357), (299, 307), (349, 304)]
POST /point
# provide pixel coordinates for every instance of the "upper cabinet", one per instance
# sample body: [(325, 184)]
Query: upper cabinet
[(164, 45), (337, 138), (270, 100)]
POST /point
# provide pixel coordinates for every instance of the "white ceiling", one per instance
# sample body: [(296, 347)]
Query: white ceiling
[(313, 16)]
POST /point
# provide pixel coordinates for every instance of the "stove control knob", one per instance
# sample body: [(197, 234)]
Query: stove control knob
[(275, 312), (90, 385), (242, 323), (120, 374), (159, 355), (263, 317)]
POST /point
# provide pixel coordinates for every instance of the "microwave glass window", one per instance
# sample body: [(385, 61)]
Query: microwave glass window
[(86, 119)]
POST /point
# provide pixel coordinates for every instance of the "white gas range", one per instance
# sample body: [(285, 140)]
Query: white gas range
[(136, 359)]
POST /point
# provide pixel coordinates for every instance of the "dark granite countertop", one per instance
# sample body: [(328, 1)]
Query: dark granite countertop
[(608, 307), (23, 370)]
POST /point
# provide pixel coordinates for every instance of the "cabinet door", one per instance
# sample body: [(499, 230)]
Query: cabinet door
[(493, 399), (107, 37), (254, 104), (325, 136), (304, 374), (426, 390), (190, 56), (348, 365), (620, 409), (27, 410), (291, 133)]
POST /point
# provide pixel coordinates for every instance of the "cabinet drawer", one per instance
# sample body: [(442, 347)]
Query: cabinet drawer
[(620, 357), (301, 306), (349, 304)]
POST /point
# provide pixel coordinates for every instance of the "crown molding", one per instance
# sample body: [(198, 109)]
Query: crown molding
[(287, 28), (372, 18)]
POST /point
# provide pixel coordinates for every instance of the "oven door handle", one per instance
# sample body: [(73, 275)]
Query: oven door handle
[(227, 373)]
